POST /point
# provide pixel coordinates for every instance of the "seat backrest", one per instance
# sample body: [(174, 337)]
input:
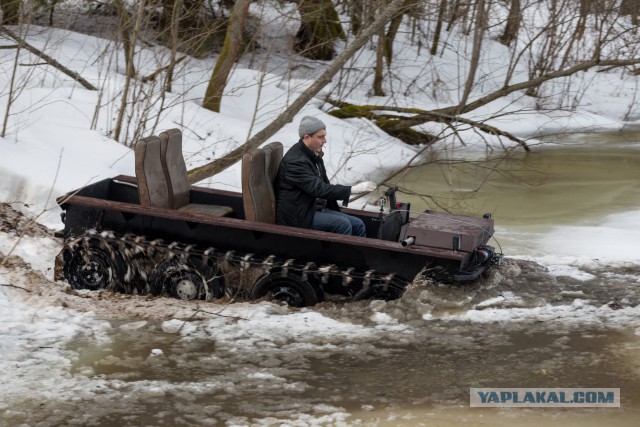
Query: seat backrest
[(258, 197), (273, 153), (152, 183), (174, 167)]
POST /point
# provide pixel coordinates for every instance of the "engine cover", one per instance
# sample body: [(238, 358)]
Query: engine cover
[(446, 231)]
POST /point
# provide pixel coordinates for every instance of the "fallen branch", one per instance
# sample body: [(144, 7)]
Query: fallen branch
[(47, 58), (450, 114), (197, 310), (14, 286), (394, 124)]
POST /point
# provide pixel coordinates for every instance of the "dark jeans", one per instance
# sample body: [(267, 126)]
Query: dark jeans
[(338, 222)]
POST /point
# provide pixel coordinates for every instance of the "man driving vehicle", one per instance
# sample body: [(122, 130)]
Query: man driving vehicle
[(304, 196)]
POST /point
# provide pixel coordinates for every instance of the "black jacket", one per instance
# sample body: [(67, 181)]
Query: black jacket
[(301, 180)]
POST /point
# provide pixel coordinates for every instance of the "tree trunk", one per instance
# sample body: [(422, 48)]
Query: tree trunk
[(390, 37), (478, 34), (319, 28), (379, 71), (582, 20), (11, 12), (125, 29), (188, 12), (174, 41), (10, 94), (400, 125), (436, 34), (513, 24), (454, 14), (229, 55), (578, 33), (288, 114), (357, 14), (132, 34), (631, 8), (384, 51)]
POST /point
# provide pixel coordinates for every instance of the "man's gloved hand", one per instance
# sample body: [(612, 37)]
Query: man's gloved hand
[(363, 187)]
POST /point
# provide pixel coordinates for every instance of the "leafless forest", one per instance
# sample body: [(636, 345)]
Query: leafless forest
[(553, 40)]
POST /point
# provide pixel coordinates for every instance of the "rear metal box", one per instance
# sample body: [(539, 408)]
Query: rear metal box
[(446, 231)]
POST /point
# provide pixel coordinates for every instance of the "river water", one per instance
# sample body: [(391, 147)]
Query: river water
[(563, 311)]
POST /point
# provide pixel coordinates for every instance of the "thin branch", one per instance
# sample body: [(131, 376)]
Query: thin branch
[(14, 286), (217, 314), (156, 73), (583, 66), (48, 59)]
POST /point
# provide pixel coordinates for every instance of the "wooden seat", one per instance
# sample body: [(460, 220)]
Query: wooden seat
[(175, 171), (273, 156), (152, 184), (259, 170), (162, 175)]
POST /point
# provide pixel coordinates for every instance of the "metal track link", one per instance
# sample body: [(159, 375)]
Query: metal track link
[(140, 256)]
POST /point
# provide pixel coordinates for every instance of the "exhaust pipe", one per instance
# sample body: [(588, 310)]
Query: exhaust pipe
[(408, 241)]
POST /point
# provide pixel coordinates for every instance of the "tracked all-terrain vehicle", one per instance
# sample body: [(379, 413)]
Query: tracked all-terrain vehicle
[(154, 233)]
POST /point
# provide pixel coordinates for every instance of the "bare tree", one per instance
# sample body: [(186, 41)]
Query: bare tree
[(513, 23), (174, 31), (457, 10), (11, 94), (358, 14), (17, 82), (10, 12), (631, 8), (436, 35), (478, 35), (130, 72), (378, 75), (228, 56), (384, 52), (287, 115), (319, 28)]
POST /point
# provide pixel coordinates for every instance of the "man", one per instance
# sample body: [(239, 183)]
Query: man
[(304, 196)]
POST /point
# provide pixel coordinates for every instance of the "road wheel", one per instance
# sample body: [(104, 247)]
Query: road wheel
[(381, 291), (92, 266), (289, 289), (178, 280)]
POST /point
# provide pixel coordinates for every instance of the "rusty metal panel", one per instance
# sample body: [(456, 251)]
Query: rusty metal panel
[(447, 231)]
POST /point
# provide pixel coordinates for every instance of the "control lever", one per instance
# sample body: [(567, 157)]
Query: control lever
[(391, 194)]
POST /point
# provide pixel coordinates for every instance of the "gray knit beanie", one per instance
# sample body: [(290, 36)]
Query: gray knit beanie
[(310, 125)]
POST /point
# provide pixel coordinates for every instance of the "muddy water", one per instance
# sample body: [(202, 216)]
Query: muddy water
[(421, 379), (412, 361), (575, 180)]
